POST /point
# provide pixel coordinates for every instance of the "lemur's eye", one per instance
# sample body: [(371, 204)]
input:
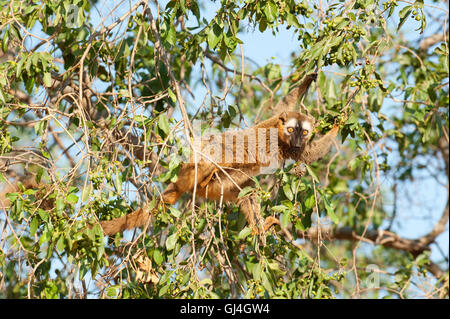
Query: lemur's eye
[(290, 129), (305, 132)]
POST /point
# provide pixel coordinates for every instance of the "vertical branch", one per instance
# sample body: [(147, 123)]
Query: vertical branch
[(174, 83), (288, 102)]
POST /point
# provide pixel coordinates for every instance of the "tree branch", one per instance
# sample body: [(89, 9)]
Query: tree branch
[(384, 238), (431, 40), (288, 102)]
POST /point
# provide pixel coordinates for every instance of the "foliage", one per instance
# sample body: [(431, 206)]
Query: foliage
[(96, 100)]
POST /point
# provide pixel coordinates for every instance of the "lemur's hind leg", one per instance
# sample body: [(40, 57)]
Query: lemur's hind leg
[(252, 210)]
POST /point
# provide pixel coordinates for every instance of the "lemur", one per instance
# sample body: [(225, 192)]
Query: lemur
[(238, 156)]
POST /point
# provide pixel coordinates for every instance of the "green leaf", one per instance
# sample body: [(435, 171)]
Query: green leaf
[(335, 41), (403, 15), (33, 226), (329, 207), (60, 245), (266, 282), (118, 182), (46, 236), (285, 219), (158, 257), (29, 85), (19, 66), (244, 232), (186, 278), (47, 79), (175, 212), (171, 35), (80, 18), (43, 214), (59, 204), (72, 198), (322, 81), (5, 41), (292, 20), (299, 226), (124, 93), (83, 270), (279, 208), (39, 174), (172, 95), (86, 192), (163, 290), (288, 191), (171, 241), (195, 10), (50, 250), (317, 50), (341, 23), (40, 127), (112, 291), (256, 271), (331, 92), (163, 124), (262, 25), (330, 211), (100, 250), (245, 191), (271, 12), (206, 282), (30, 191), (311, 172), (35, 59), (174, 163), (310, 201), (432, 93), (275, 266), (214, 36)]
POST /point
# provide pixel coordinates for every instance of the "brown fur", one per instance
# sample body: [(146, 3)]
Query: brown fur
[(223, 180), (138, 218)]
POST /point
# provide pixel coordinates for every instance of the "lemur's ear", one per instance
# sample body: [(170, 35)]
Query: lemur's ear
[(283, 117)]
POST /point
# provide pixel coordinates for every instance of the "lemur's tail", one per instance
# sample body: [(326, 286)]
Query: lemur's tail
[(138, 218)]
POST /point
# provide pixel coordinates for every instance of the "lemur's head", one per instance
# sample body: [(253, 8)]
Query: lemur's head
[(294, 128)]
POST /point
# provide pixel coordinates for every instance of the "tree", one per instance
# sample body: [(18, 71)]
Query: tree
[(97, 99)]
